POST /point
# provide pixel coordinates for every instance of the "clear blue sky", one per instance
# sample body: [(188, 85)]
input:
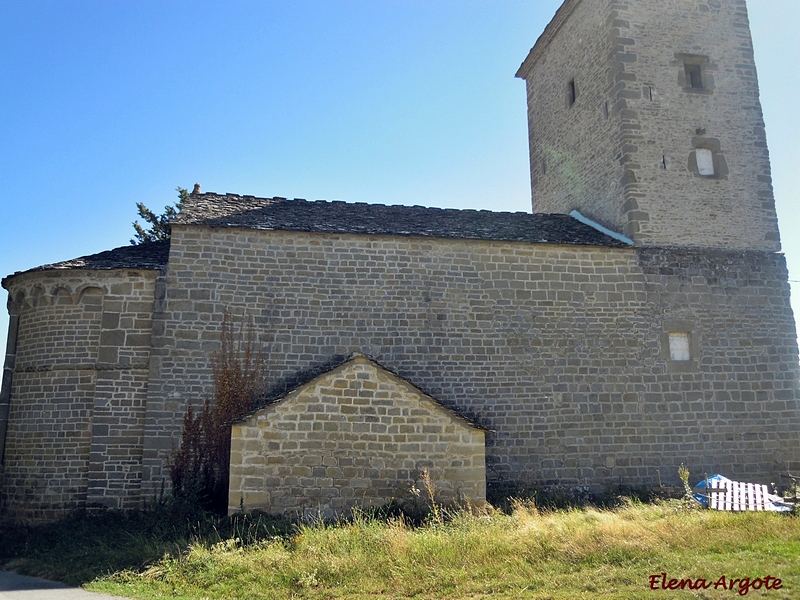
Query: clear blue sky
[(107, 103)]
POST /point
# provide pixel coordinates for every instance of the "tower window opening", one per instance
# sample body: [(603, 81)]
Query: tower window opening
[(705, 162), (571, 92), (679, 346), (694, 76)]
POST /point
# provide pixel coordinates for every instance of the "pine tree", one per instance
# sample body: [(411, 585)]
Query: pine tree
[(160, 228)]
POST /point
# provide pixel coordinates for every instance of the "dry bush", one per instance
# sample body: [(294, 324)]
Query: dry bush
[(200, 468)]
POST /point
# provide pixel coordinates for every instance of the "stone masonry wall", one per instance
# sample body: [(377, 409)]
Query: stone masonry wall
[(355, 436), (574, 147), (745, 370), (624, 153), (76, 417), (559, 351), (670, 203)]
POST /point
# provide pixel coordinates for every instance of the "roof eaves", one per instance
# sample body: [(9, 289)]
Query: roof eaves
[(151, 256)]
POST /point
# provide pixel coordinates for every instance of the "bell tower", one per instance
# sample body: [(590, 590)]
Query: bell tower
[(644, 115)]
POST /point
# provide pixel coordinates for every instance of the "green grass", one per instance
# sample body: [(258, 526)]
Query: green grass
[(82, 547), (574, 553)]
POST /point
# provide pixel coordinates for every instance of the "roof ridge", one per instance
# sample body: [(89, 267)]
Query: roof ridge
[(376, 204), (363, 218)]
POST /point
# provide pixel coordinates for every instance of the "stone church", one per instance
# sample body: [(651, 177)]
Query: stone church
[(637, 319)]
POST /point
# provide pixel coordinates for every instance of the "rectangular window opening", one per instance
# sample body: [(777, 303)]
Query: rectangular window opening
[(694, 76), (571, 92), (679, 346), (705, 162)]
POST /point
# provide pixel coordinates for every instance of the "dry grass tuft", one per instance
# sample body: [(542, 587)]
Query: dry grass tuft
[(529, 553)]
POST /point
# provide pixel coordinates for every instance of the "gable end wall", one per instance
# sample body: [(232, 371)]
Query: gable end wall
[(356, 436)]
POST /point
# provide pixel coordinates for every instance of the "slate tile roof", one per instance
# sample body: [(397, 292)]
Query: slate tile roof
[(280, 214), (152, 256), (230, 210)]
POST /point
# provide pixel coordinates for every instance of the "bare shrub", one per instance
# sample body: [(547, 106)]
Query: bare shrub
[(200, 468)]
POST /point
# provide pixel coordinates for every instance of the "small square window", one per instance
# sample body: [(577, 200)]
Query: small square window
[(694, 75), (679, 346), (705, 161)]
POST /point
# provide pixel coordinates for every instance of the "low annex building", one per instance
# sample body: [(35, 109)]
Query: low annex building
[(638, 319), (353, 436)]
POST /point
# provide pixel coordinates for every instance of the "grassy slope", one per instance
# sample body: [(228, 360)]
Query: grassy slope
[(81, 548), (559, 554)]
